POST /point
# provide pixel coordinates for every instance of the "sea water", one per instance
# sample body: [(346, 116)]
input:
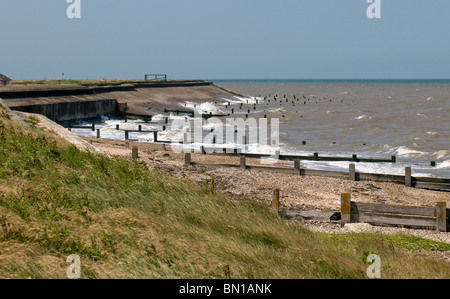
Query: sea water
[(373, 119)]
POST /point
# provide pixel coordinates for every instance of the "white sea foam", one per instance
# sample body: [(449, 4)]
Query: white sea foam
[(445, 164), (406, 151), (363, 117), (158, 117), (205, 108), (442, 154)]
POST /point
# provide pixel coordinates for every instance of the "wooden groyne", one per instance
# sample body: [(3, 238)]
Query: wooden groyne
[(438, 184), (395, 215)]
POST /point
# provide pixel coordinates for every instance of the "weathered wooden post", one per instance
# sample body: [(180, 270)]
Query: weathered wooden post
[(316, 156), (155, 136), (433, 164), (140, 128), (276, 200), (187, 159), (355, 158), (98, 133), (243, 161), (126, 135), (135, 153), (117, 127), (394, 159), (352, 172), (441, 217), (408, 177), (346, 204), (297, 167), (93, 127)]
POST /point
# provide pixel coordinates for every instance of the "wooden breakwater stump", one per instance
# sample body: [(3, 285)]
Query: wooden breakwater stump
[(187, 159), (127, 135), (346, 209), (297, 167), (352, 172), (135, 152), (441, 217), (243, 161), (276, 200), (408, 177), (98, 133)]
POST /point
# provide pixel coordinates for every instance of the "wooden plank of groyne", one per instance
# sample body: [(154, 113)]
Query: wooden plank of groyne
[(394, 219), (393, 209), (334, 174), (412, 216), (314, 157), (433, 180), (271, 169), (432, 186), (376, 177), (214, 165), (309, 215)]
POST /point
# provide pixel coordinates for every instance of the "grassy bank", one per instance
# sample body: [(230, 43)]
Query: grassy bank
[(127, 222)]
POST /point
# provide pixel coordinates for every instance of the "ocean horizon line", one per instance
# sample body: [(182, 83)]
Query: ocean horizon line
[(331, 80)]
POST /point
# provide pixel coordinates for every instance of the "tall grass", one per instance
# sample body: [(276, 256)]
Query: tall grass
[(125, 221)]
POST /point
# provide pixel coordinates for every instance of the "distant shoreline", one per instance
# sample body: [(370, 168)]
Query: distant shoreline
[(335, 80)]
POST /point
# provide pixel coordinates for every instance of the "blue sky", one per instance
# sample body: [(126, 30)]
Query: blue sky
[(226, 39)]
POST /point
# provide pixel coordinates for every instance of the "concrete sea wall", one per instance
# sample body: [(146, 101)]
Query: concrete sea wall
[(72, 110)]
